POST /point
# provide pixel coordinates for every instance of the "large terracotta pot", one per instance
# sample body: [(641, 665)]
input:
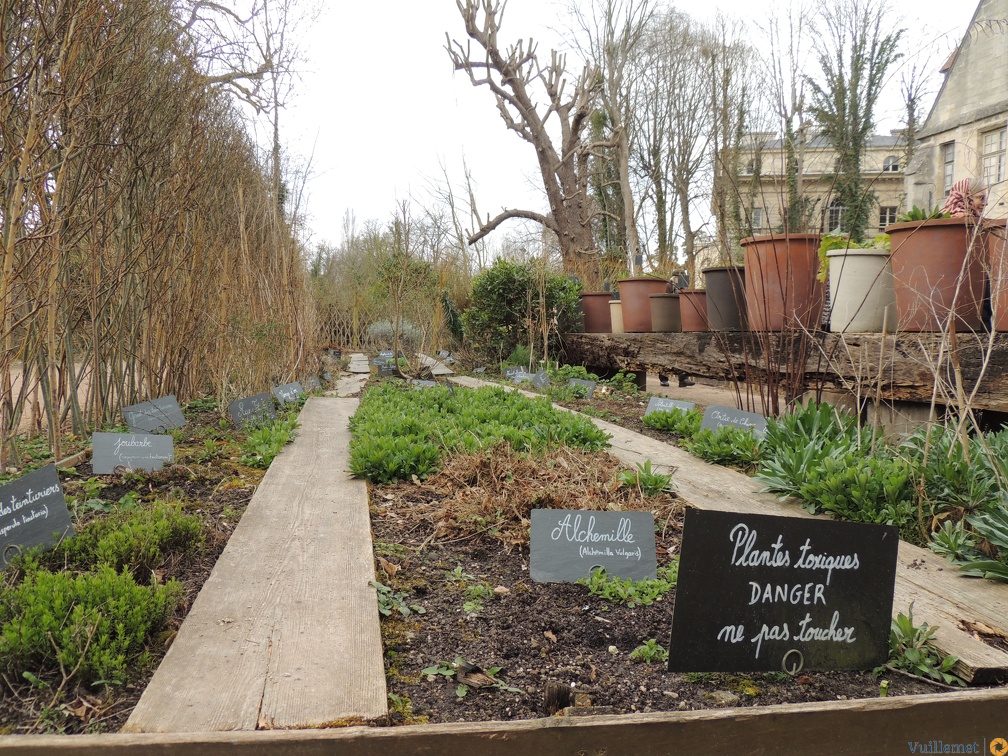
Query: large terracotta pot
[(726, 310), (861, 291), (693, 304), (937, 264), (635, 295), (595, 307), (780, 282), (997, 254), (616, 315), (665, 313)]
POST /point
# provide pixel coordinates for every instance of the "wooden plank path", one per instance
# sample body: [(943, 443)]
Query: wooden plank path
[(941, 596), (284, 634)]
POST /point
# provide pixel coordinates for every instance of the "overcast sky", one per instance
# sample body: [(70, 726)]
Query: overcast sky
[(380, 110)]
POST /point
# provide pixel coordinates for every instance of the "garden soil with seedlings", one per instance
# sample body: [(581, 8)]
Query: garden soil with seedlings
[(208, 481), (456, 548)]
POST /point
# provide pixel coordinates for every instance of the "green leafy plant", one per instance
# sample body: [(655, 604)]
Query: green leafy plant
[(263, 443), (726, 446), (648, 481), (476, 595), (490, 677), (623, 383), (911, 650), (835, 241), (390, 600), (921, 214), (953, 542), (650, 652), (458, 575), (629, 592), (685, 424)]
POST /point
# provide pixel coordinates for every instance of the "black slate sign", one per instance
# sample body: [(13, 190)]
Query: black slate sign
[(387, 368), (386, 355), (311, 383), (33, 512), (479, 370), (521, 376), (417, 383), (510, 372), (288, 393), (540, 380), (664, 404), (257, 408), (155, 416), (589, 386), (717, 416), (130, 451), (758, 592), (566, 545)]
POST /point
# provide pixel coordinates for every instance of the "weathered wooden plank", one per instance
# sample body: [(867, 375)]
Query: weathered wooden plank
[(285, 631), (871, 726), (943, 598), (909, 362)]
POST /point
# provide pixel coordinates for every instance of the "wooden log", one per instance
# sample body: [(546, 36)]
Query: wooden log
[(910, 363)]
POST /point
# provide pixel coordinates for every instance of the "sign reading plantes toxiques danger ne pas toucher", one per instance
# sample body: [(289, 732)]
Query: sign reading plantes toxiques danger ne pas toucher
[(757, 592)]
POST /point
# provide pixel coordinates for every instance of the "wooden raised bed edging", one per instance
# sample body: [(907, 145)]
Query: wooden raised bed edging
[(869, 726), (837, 360)]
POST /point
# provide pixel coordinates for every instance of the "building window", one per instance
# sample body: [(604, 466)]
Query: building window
[(890, 164), (757, 218), (993, 155), (887, 215), (948, 159), (834, 216)]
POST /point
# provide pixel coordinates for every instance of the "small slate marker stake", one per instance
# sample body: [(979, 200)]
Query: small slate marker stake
[(718, 416), (252, 408), (130, 452), (566, 545), (540, 380), (288, 393), (33, 512), (479, 370), (664, 404), (589, 386), (155, 416)]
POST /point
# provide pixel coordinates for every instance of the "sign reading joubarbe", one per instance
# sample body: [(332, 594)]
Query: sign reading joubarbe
[(155, 416), (757, 592), (33, 512), (130, 452), (718, 416), (566, 545)]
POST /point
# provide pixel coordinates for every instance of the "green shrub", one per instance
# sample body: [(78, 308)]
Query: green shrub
[(685, 424), (504, 307), (726, 445), (97, 624), (262, 444), (137, 540), (626, 591)]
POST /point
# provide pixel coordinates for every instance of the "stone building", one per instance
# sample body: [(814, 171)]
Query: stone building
[(964, 135)]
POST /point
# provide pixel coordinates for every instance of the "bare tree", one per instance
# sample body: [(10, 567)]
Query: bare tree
[(613, 32), (530, 96)]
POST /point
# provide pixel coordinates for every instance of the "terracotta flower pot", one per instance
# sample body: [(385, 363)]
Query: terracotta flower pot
[(780, 282), (616, 315), (693, 303), (997, 254), (937, 264), (861, 291), (635, 295), (726, 310), (665, 313), (595, 307)]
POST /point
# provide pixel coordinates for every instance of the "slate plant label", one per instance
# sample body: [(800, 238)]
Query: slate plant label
[(510, 372), (521, 376), (567, 544), (33, 512), (288, 393), (156, 416), (664, 404), (418, 384), (311, 383), (130, 451), (757, 592), (540, 380), (589, 386), (718, 416), (257, 408)]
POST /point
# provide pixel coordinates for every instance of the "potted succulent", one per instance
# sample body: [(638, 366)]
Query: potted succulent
[(860, 283), (937, 263)]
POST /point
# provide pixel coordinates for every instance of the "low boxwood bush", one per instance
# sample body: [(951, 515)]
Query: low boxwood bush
[(137, 540), (91, 626), (398, 433)]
